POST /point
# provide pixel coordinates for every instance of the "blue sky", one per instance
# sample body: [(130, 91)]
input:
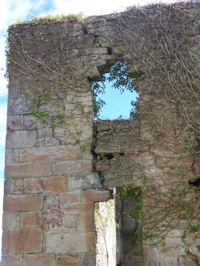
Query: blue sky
[(13, 10)]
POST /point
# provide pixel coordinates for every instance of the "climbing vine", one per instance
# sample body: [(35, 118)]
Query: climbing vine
[(161, 47)]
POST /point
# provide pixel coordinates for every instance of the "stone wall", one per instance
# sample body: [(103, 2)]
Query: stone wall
[(53, 172)]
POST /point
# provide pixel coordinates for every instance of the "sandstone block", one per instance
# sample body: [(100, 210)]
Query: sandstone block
[(22, 241), (32, 123), (23, 203), (69, 220), (67, 259), (52, 184), (10, 220), (86, 222), (97, 195), (18, 105), (30, 219), (72, 167), (82, 182), (11, 186), (69, 242), (14, 122), (9, 156), (57, 153), (10, 260), (39, 260), (21, 139), (70, 197), (27, 170), (78, 207)]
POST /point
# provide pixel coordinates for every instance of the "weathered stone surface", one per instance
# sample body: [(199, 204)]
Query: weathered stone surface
[(10, 220), (69, 242), (22, 241), (72, 167), (32, 123), (46, 138), (23, 203), (11, 186), (39, 260), (9, 156), (42, 159), (27, 170), (68, 259), (15, 122), (85, 222), (10, 260), (71, 197), (83, 182), (21, 139), (78, 207), (69, 220), (51, 184), (97, 195), (18, 105), (38, 154), (52, 212), (31, 219)]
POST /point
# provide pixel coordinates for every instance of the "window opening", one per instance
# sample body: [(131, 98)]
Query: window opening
[(115, 96)]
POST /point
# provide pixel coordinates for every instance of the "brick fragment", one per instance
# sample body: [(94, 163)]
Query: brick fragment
[(23, 203), (30, 219), (22, 241)]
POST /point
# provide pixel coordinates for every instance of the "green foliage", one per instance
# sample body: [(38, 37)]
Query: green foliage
[(36, 20), (119, 79)]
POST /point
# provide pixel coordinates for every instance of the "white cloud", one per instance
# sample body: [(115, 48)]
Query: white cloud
[(12, 10), (91, 7)]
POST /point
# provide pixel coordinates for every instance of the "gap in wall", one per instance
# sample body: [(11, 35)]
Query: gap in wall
[(115, 96), (117, 228), (105, 233)]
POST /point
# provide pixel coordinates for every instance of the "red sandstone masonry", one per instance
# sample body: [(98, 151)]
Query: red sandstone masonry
[(78, 207), (39, 260), (23, 203), (72, 167), (10, 220), (10, 260), (69, 242), (57, 153), (86, 222), (22, 241), (51, 184), (97, 195), (70, 197), (27, 170), (68, 259), (30, 219)]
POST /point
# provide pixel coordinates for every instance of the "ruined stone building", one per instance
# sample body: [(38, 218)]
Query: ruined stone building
[(60, 163)]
